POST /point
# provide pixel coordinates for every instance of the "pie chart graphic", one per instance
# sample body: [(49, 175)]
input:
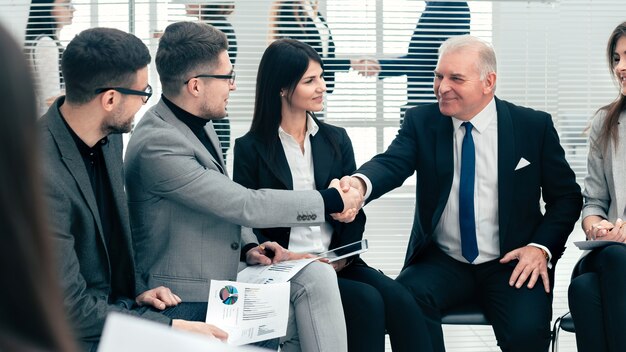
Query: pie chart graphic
[(229, 295)]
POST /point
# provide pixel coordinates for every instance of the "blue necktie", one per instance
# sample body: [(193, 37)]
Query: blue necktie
[(467, 222)]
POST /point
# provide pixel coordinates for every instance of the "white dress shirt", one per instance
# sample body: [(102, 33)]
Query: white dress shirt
[(447, 233), (311, 239), (321, 28)]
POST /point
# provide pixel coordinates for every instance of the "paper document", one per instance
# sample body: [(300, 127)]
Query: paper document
[(588, 245), (274, 273), (249, 312), (127, 333)]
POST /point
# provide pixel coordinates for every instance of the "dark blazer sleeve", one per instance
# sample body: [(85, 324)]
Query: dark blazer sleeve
[(560, 192), (353, 231)]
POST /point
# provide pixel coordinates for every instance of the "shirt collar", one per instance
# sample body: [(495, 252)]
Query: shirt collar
[(311, 126), (482, 120), (83, 148)]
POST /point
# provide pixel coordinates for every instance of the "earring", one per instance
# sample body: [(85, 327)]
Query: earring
[(282, 94)]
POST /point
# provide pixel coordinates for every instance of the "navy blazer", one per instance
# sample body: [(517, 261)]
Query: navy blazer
[(439, 21), (255, 168), (424, 144)]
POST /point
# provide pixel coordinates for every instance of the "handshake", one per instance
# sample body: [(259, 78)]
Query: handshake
[(352, 190)]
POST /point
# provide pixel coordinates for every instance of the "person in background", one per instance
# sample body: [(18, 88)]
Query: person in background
[(439, 21), (216, 14), (598, 287), (289, 148), (302, 20), (106, 75), (31, 305), (43, 49)]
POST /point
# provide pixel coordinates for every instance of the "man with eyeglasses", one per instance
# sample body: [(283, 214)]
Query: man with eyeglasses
[(186, 213), (106, 78)]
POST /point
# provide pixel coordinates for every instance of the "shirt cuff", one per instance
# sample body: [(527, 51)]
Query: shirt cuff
[(547, 251), (368, 185), (332, 200)]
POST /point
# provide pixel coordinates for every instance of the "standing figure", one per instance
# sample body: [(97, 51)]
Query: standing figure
[(43, 48)]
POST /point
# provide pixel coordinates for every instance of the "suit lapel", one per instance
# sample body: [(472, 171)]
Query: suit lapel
[(210, 131), (74, 163), (323, 156), (444, 161), (506, 166), (113, 162), (278, 166)]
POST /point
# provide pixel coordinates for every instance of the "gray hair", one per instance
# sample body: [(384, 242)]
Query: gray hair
[(486, 54)]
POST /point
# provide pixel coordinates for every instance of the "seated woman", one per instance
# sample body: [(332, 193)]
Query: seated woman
[(289, 148), (597, 292)]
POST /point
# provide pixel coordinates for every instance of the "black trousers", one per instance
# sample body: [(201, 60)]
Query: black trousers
[(373, 302), (520, 317), (597, 300)]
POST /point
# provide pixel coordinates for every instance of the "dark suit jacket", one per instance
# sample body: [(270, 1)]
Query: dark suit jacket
[(439, 21), (288, 27), (83, 256), (424, 145), (255, 168)]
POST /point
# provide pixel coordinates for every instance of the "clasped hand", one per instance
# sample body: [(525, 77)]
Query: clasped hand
[(352, 191), (607, 231)]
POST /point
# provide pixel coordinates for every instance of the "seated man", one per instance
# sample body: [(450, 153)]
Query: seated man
[(483, 165), (186, 213), (106, 78)]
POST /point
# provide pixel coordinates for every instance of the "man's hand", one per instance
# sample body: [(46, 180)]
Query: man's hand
[(365, 66), (200, 328), (531, 265), (352, 202), (267, 253), (159, 298), (350, 184)]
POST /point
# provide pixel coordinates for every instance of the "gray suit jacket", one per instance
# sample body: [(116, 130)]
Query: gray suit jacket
[(83, 256), (186, 214), (605, 193)]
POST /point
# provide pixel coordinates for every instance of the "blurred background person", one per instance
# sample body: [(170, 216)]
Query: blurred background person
[(289, 148), (43, 49), (302, 20), (216, 13), (31, 308), (439, 21), (598, 287)]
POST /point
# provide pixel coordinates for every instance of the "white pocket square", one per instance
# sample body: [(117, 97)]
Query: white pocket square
[(522, 164)]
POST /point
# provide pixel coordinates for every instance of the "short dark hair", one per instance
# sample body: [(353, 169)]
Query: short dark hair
[(283, 64), (184, 48), (101, 57)]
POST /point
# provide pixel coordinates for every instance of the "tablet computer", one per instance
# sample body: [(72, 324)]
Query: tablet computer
[(346, 251)]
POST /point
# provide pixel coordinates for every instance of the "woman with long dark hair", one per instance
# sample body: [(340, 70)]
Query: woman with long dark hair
[(43, 49), (597, 293), (287, 147), (31, 307)]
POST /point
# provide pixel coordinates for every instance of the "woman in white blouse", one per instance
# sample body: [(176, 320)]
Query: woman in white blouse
[(43, 48)]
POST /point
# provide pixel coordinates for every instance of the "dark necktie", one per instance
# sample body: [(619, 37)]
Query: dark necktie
[(469, 247)]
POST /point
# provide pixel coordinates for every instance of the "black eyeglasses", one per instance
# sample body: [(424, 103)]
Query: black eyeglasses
[(145, 94), (230, 77)]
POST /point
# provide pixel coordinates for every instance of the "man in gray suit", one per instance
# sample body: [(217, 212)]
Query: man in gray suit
[(186, 213), (106, 77)]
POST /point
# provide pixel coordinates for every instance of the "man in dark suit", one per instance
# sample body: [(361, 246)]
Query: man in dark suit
[(479, 233), (106, 79)]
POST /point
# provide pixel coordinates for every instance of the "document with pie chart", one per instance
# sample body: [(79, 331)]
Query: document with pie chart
[(249, 312)]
